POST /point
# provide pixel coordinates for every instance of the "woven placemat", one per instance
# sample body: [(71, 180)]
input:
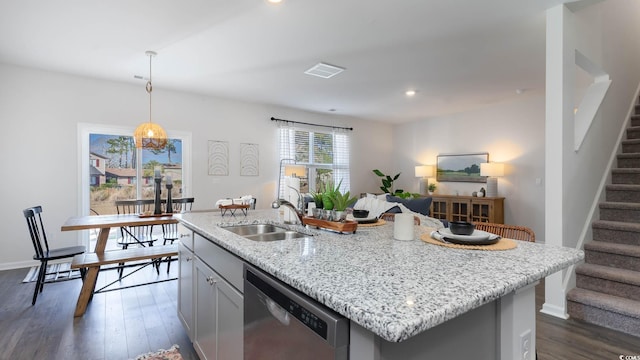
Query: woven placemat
[(502, 244), (377, 223)]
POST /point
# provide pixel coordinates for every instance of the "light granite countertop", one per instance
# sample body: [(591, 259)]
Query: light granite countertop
[(395, 289)]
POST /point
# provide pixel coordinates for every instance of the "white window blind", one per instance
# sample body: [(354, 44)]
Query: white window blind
[(324, 153)]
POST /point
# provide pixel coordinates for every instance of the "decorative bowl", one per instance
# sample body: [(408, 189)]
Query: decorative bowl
[(361, 214), (461, 227)]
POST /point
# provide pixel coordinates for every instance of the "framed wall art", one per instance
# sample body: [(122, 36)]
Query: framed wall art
[(218, 158), (249, 156), (461, 167)]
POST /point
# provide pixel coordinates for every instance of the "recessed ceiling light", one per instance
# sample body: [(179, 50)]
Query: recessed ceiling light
[(274, 1), (410, 92)]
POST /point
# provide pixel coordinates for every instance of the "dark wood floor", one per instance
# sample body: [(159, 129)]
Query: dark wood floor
[(570, 339), (117, 325), (123, 324)]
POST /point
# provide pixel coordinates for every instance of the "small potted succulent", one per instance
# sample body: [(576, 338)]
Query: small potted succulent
[(317, 199), (340, 204), (327, 200)]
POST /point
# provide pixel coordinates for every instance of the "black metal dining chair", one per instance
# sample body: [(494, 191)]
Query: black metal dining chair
[(141, 235), (170, 231), (41, 246)]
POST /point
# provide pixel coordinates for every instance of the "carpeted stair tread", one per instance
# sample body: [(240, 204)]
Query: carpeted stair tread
[(626, 171), (619, 205), (615, 225), (613, 248), (606, 302), (623, 187), (613, 274), (629, 155)]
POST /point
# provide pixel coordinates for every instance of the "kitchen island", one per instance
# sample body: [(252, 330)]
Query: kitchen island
[(403, 298)]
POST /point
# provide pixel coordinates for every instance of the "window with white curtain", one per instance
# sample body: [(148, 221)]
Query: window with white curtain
[(324, 153)]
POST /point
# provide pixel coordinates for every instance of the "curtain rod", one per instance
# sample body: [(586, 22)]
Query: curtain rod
[(300, 122)]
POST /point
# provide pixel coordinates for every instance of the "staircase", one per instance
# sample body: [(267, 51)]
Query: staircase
[(607, 289)]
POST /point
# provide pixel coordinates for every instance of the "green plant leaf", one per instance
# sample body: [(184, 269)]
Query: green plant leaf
[(396, 177), (377, 172)]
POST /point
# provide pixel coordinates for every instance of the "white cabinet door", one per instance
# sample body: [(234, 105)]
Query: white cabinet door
[(218, 316), (205, 311), (185, 288), (230, 321)]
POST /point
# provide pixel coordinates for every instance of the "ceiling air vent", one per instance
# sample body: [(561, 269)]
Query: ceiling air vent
[(324, 71)]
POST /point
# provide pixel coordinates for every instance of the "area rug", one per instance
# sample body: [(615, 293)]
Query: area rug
[(55, 272), (172, 353)]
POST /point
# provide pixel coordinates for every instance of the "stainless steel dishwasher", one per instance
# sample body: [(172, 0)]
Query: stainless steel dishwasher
[(282, 323)]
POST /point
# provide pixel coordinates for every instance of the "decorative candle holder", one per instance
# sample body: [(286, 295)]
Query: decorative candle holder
[(158, 204), (169, 204)]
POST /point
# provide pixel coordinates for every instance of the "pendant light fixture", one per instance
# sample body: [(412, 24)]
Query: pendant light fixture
[(149, 135)]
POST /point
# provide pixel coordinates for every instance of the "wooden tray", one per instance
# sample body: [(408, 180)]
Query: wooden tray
[(154, 215), (234, 206), (348, 226), (232, 209)]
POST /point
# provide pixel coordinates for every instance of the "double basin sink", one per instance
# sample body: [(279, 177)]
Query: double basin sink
[(264, 232)]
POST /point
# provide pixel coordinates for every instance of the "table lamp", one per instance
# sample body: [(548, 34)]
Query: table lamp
[(293, 170), (492, 171), (424, 172)]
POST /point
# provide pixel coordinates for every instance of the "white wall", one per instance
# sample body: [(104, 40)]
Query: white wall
[(40, 112), (512, 133), (607, 34)]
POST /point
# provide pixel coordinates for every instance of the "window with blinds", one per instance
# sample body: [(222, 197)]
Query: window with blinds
[(324, 154)]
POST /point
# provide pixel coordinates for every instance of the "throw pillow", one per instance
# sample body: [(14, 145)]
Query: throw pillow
[(419, 205)]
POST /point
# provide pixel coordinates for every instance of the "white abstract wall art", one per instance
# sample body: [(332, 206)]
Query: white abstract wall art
[(218, 158), (249, 159)]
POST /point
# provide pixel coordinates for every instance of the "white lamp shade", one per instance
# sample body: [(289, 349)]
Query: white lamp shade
[(295, 170), (424, 171), (491, 169)]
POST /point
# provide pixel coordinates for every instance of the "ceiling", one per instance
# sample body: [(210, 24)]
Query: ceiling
[(458, 55)]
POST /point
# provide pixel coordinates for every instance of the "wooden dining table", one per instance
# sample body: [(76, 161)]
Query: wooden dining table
[(105, 223)]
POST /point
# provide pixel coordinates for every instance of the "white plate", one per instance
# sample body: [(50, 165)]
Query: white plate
[(477, 235)]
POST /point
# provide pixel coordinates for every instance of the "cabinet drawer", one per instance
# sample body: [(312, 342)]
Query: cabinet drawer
[(186, 236), (220, 260)]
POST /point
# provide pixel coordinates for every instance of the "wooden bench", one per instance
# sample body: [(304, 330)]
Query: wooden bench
[(90, 260), (118, 256)]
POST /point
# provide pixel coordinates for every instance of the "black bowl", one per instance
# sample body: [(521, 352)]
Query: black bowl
[(461, 227), (361, 214)]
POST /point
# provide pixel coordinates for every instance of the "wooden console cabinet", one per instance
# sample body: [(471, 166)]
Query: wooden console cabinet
[(468, 208)]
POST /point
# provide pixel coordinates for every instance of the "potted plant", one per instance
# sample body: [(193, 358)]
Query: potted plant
[(327, 195), (340, 203), (432, 188), (387, 182), (317, 199), (387, 186)]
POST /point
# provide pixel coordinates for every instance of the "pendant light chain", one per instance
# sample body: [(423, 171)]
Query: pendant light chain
[(149, 135), (149, 85)]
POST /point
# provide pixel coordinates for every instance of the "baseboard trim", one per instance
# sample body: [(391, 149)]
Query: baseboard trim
[(20, 265), (555, 311)]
